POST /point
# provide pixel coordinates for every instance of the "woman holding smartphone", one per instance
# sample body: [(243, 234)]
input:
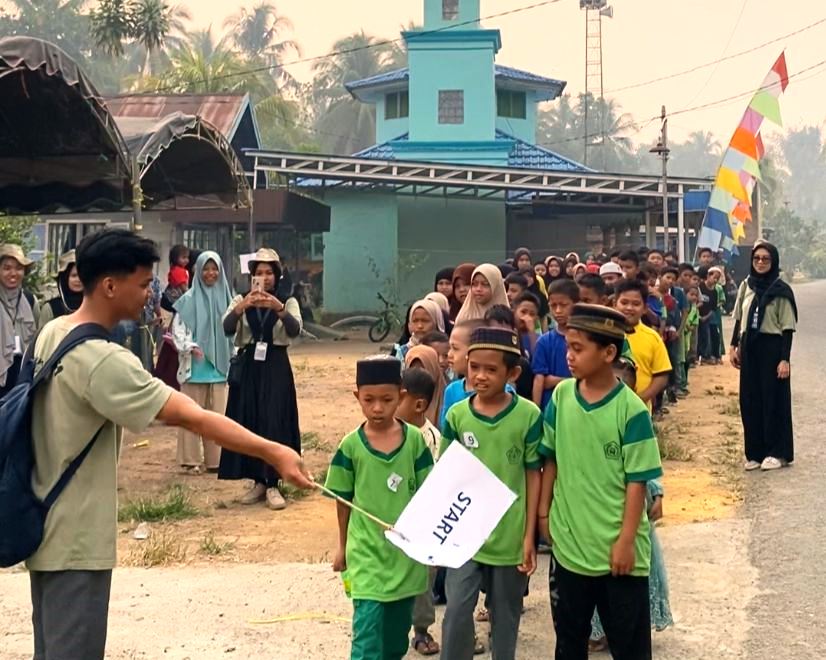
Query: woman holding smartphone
[(261, 387)]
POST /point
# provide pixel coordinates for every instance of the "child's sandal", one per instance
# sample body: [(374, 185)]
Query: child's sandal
[(424, 644)]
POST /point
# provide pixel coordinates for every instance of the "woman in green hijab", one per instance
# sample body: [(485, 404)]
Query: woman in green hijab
[(204, 352)]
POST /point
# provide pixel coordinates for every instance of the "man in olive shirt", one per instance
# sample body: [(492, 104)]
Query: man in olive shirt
[(100, 384)]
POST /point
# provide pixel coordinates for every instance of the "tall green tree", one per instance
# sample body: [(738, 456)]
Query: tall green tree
[(204, 64), (562, 128), (151, 25), (698, 156), (259, 34), (62, 22), (343, 124)]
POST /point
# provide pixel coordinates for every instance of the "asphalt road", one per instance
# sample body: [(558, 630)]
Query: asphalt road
[(787, 510)]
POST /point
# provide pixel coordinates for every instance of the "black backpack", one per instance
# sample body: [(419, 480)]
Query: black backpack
[(22, 514)]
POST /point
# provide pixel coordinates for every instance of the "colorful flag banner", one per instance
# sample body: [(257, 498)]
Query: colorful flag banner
[(454, 512), (729, 209)]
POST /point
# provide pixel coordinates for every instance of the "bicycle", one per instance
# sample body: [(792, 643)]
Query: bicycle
[(388, 319)]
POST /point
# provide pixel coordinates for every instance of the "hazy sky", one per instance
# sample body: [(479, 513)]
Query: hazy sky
[(646, 39)]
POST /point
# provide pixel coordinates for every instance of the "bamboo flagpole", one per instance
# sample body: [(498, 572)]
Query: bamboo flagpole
[(358, 509)]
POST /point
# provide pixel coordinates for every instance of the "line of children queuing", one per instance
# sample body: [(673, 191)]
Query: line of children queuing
[(553, 371)]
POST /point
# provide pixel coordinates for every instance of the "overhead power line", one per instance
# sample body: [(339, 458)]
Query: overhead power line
[(700, 67), (356, 49)]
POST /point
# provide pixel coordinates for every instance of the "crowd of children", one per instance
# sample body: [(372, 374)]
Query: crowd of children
[(550, 374)]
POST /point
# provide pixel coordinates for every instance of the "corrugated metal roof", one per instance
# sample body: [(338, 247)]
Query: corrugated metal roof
[(224, 111), (523, 155), (502, 73)]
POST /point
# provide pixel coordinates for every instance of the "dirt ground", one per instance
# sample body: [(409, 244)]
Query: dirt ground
[(234, 564), (698, 436)]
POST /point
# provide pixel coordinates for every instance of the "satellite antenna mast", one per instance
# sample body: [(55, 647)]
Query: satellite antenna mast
[(594, 11)]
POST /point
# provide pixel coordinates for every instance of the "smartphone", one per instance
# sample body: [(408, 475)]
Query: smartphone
[(258, 284)]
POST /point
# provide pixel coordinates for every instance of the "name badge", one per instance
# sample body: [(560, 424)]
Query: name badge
[(469, 440), (18, 345), (393, 482), (260, 351)]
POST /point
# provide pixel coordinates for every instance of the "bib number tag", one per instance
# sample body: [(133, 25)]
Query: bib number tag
[(260, 351), (18, 345)]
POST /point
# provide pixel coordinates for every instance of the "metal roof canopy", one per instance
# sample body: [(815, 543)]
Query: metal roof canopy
[(522, 186), (459, 179)]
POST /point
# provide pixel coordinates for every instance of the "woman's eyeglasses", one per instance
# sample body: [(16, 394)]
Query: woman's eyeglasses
[(761, 260)]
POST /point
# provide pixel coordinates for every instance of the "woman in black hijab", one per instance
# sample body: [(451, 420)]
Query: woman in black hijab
[(69, 291), (765, 316)]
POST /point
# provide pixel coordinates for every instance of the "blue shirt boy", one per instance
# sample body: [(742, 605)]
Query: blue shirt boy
[(550, 358)]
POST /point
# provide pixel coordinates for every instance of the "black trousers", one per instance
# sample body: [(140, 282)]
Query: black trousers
[(622, 604), (765, 400), (70, 612)]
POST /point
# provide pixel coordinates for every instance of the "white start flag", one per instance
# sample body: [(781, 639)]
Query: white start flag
[(453, 513)]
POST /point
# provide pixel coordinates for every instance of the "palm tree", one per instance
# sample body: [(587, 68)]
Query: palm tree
[(257, 34), (111, 26), (203, 65), (154, 23), (343, 124), (559, 128), (58, 21), (698, 156)]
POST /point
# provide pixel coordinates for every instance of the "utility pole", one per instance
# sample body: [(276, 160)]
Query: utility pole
[(662, 150)]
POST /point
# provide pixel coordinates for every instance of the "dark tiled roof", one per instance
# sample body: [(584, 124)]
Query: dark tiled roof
[(523, 155)]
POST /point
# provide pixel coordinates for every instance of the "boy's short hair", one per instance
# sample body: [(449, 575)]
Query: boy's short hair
[(648, 270), (113, 252), (704, 250), (630, 255), (692, 287), (564, 287), (529, 297), (501, 314), (656, 251), (626, 285), (419, 383), (469, 326), (702, 272), (379, 370), (593, 282), (670, 269), (615, 254), (498, 339), (516, 278), (684, 267), (434, 337)]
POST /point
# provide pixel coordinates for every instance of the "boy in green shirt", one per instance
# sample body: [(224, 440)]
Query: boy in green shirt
[(378, 467), (692, 322), (600, 451), (503, 431)]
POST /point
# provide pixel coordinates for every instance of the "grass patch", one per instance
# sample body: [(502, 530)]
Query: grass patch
[(209, 546), (160, 549), (174, 504), (313, 440), (731, 408), (320, 477), (671, 449)]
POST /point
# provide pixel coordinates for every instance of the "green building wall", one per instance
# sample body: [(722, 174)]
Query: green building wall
[(434, 234), (360, 250)]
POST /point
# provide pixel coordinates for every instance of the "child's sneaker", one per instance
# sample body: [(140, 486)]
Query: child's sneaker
[(752, 465)]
